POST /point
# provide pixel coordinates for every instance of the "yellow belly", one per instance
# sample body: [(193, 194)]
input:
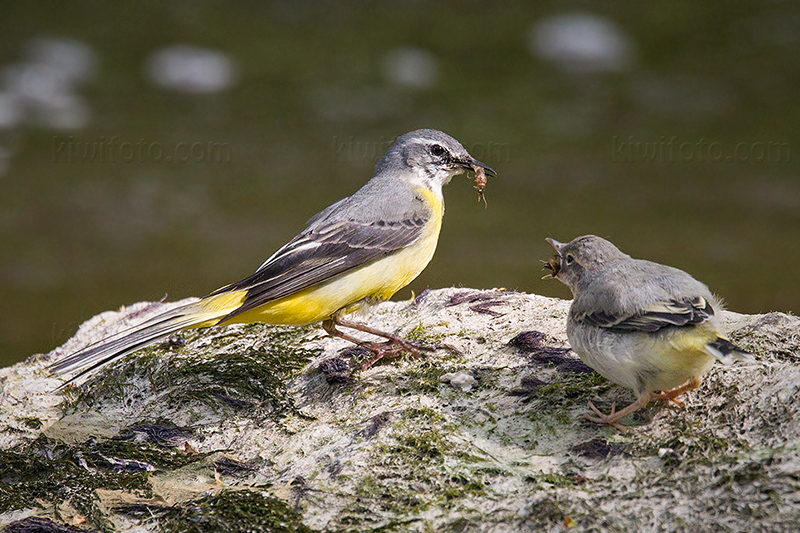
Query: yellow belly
[(680, 356), (377, 280)]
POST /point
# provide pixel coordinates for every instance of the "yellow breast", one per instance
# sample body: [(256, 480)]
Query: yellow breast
[(377, 280)]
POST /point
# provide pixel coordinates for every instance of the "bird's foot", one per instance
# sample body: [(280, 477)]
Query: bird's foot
[(672, 394), (612, 418), (392, 347)]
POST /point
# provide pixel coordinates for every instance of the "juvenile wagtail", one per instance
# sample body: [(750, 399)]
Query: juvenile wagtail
[(361, 249), (643, 325)]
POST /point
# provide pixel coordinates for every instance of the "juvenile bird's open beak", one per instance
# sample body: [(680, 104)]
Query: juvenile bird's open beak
[(555, 244), (554, 263)]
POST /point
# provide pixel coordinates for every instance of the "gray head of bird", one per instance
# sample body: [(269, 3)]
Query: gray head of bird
[(432, 155), (575, 262)]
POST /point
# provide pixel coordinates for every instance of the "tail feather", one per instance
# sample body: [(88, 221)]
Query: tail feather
[(726, 352), (111, 348)]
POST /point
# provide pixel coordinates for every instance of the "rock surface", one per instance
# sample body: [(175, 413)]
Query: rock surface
[(263, 428)]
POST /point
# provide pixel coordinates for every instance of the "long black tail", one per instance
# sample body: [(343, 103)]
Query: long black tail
[(206, 312)]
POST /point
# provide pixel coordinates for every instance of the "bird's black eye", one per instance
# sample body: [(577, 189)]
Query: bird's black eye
[(438, 150), (570, 258)]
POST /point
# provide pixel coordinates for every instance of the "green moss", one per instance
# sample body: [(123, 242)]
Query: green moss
[(414, 470), (156, 456), (421, 333), (423, 415), (545, 514), (691, 445), (427, 444), (228, 511), (744, 474), (54, 473), (550, 405), (420, 379), (249, 379), (554, 479)]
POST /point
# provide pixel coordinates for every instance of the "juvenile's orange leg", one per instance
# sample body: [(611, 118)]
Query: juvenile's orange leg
[(672, 394), (612, 418)]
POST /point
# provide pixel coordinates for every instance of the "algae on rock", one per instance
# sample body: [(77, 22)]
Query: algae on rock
[(264, 428)]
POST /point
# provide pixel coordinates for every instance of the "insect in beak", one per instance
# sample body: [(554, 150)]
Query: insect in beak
[(480, 182), (553, 265)]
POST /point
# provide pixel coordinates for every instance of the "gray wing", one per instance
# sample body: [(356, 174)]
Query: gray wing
[(324, 250), (659, 315), (326, 212)]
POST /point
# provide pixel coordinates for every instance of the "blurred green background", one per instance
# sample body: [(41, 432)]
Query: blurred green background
[(669, 128)]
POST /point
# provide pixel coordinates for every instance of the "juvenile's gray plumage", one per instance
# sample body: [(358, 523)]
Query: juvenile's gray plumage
[(642, 325)]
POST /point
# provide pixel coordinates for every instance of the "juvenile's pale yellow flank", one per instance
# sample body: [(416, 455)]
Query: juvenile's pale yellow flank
[(363, 248)]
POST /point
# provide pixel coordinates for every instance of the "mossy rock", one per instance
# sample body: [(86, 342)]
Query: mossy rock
[(261, 428)]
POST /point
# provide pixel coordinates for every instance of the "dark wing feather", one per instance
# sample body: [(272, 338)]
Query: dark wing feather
[(322, 252), (657, 316)]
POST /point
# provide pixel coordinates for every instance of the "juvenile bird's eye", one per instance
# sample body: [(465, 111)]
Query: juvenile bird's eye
[(438, 150), (570, 258)]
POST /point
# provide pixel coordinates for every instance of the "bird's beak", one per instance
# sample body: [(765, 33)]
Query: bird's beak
[(554, 263), (475, 163), (472, 164), (555, 244)]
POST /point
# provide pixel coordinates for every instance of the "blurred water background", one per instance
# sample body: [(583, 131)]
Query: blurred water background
[(151, 149)]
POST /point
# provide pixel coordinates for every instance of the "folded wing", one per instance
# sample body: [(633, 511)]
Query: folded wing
[(659, 315), (323, 252)]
